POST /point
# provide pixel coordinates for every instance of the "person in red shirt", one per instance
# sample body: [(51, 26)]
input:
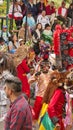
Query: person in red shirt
[(22, 70), (62, 13), (50, 11), (55, 98)]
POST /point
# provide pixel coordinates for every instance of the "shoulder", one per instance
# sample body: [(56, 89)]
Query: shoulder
[(21, 104), (39, 16), (59, 91)]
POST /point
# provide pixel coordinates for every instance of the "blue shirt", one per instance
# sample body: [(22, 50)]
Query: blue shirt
[(30, 21)]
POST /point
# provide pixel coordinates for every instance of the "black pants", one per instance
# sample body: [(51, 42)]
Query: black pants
[(61, 19), (18, 23)]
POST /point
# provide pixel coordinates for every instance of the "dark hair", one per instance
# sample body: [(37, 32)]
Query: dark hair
[(71, 4), (52, 2), (6, 63), (1, 39), (47, 25), (14, 83)]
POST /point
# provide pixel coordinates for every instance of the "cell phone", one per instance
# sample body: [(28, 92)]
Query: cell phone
[(38, 73)]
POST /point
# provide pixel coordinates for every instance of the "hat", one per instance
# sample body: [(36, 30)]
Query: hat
[(5, 26), (20, 40)]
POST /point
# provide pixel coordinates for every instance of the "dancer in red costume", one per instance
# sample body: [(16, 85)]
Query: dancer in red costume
[(55, 98), (22, 70), (20, 60)]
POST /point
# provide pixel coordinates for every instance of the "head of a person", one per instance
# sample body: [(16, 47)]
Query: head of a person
[(63, 26), (31, 1), (63, 4), (1, 41), (4, 28), (3, 62), (21, 42), (71, 5), (39, 26), (12, 87), (43, 13), (16, 2), (52, 4), (41, 41), (47, 27), (29, 14), (13, 38), (42, 1), (6, 63)]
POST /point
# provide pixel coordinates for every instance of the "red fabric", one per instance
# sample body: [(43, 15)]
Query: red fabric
[(55, 108), (60, 11), (56, 41), (16, 18), (49, 10), (37, 107), (22, 70), (71, 52), (70, 67)]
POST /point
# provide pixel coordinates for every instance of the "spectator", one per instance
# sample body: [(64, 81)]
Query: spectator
[(19, 114), (70, 13), (32, 8), (3, 46), (37, 33), (15, 12), (21, 42), (29, 21), (24, 35), (13, 44), (5, 34), (62, 13), (40, 7), (50, 11), (54, 24), (23, 7), (43, 19), (47, 34)]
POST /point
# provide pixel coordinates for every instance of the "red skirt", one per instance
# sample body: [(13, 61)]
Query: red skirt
[(15, 17)]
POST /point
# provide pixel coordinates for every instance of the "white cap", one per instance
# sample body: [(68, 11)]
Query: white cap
[(20, 40)]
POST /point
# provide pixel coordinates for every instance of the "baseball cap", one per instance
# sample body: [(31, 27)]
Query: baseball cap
[(20, 40), (5, 26)]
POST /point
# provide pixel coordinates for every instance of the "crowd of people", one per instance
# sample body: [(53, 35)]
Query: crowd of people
[(37, 62)]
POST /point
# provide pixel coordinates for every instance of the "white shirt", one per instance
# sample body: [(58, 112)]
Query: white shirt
[(43, 20), (16, 9), (63, 11)]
